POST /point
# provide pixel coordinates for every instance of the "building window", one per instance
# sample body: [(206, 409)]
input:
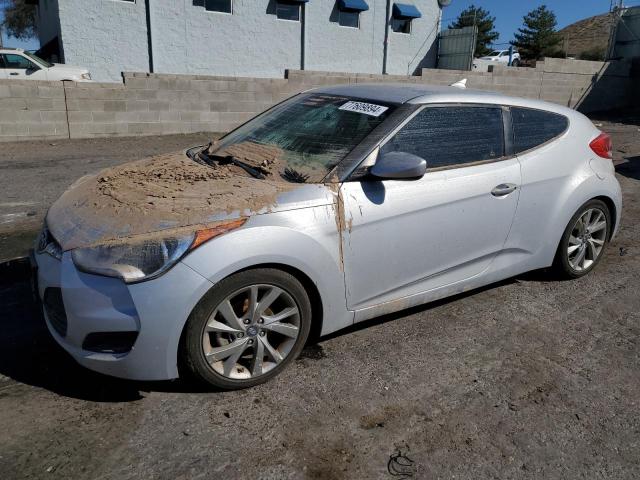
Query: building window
[(401, 25), (403, 15), (288, 10), (349, 19), (222, 6), (349, 12)]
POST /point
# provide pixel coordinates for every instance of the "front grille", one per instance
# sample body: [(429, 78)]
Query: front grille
[(54, 307), (110, 342)]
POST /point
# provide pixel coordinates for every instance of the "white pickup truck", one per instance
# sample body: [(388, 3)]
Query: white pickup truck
[(19, 64), (499, 56)]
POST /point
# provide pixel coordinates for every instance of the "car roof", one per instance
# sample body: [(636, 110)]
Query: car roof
[(7, 49), (424, 93)]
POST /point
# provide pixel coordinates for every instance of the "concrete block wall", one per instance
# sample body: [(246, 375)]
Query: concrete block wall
[(32, 109), (156, 104), (168, 104)]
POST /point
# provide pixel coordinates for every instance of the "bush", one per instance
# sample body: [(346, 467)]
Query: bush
[(596, 54)]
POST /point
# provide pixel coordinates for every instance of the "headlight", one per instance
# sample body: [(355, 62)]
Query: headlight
[(86, 76), (144, 258)]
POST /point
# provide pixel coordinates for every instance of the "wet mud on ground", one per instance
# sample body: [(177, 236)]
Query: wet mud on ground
[(530, 378)]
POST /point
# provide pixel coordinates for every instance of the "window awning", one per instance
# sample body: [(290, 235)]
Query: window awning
[(403, 10), (353, 5)]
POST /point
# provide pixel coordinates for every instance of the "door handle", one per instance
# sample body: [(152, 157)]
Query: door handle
[(503, 189), (14, 73)]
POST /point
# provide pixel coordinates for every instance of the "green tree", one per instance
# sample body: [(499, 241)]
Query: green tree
[(537, 37), (19, 18), (486, 27)]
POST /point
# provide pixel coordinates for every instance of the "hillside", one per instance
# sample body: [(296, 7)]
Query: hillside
[(588, 35)]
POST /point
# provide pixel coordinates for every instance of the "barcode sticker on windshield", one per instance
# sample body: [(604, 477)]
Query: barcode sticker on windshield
[(366, 108)]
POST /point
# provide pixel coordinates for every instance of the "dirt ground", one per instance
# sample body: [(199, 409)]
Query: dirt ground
[(530, 378), (34, 174)]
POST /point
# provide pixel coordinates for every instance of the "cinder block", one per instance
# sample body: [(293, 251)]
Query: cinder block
[(150, 94), (102, 117), (136, 82), (189, 116), (144, 128), (167, 116), (23, 90), (115, 105), (12, 104), (42, 129), (48, 91), (158, 105), (54, 116), (80, 117), (137, 105), (148, 116)]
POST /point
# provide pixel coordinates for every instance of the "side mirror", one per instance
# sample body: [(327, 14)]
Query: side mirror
[(399, 165)]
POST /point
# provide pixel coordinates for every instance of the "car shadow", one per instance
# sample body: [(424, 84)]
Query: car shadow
[(414, 310), (29, 355), (630, 168)]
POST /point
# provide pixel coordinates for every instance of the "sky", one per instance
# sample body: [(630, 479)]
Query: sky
[(508, 14)]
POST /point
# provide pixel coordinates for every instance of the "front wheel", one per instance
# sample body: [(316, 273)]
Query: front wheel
[(584, 240), (247, 329)]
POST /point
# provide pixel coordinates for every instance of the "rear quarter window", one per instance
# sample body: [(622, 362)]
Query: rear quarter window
[(532, 128)]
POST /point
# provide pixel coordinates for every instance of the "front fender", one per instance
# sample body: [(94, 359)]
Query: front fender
[(305, 239)]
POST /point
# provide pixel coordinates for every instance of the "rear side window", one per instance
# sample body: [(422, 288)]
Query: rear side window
[(532, 128), (452, 136)]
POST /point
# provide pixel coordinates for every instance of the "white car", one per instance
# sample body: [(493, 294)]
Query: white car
[(334, 207), (499, 56), (19, 64)]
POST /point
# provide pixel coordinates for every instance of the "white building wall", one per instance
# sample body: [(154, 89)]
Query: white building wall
[(249, 42), (106, 36), (411, 52), (110, 36), (331, 47)]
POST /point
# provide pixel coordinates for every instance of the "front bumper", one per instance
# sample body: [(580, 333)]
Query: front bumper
[(157, 310)]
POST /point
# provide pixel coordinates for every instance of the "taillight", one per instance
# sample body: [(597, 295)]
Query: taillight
[(602, 146)]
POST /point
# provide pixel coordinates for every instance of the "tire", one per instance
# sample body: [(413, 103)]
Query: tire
[(515, 63), (567, 264), (241, 333)]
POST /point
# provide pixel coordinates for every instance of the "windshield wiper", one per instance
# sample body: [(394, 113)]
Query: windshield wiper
[(226, 159)]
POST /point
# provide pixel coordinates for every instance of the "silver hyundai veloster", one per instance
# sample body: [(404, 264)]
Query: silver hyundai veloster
[(336, 206)]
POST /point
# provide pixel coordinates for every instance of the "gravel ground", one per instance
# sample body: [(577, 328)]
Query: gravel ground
[(530, 378)]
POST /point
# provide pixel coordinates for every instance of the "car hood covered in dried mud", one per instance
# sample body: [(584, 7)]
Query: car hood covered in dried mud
[(169, 192)]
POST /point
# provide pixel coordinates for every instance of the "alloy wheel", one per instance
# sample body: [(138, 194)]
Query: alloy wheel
[(587, 239), (251, 331)]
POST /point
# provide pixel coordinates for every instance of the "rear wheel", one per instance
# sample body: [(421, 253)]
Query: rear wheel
[(247, 329), (515, 63), (584, 240)]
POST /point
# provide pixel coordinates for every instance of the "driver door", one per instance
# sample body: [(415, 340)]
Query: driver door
[(21, 68), (407, 237)]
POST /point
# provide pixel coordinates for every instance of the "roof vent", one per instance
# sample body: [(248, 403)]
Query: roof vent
[(461, 84)]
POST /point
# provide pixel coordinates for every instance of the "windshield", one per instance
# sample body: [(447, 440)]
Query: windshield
[(495, 53), (307, 135), (38, 60)]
